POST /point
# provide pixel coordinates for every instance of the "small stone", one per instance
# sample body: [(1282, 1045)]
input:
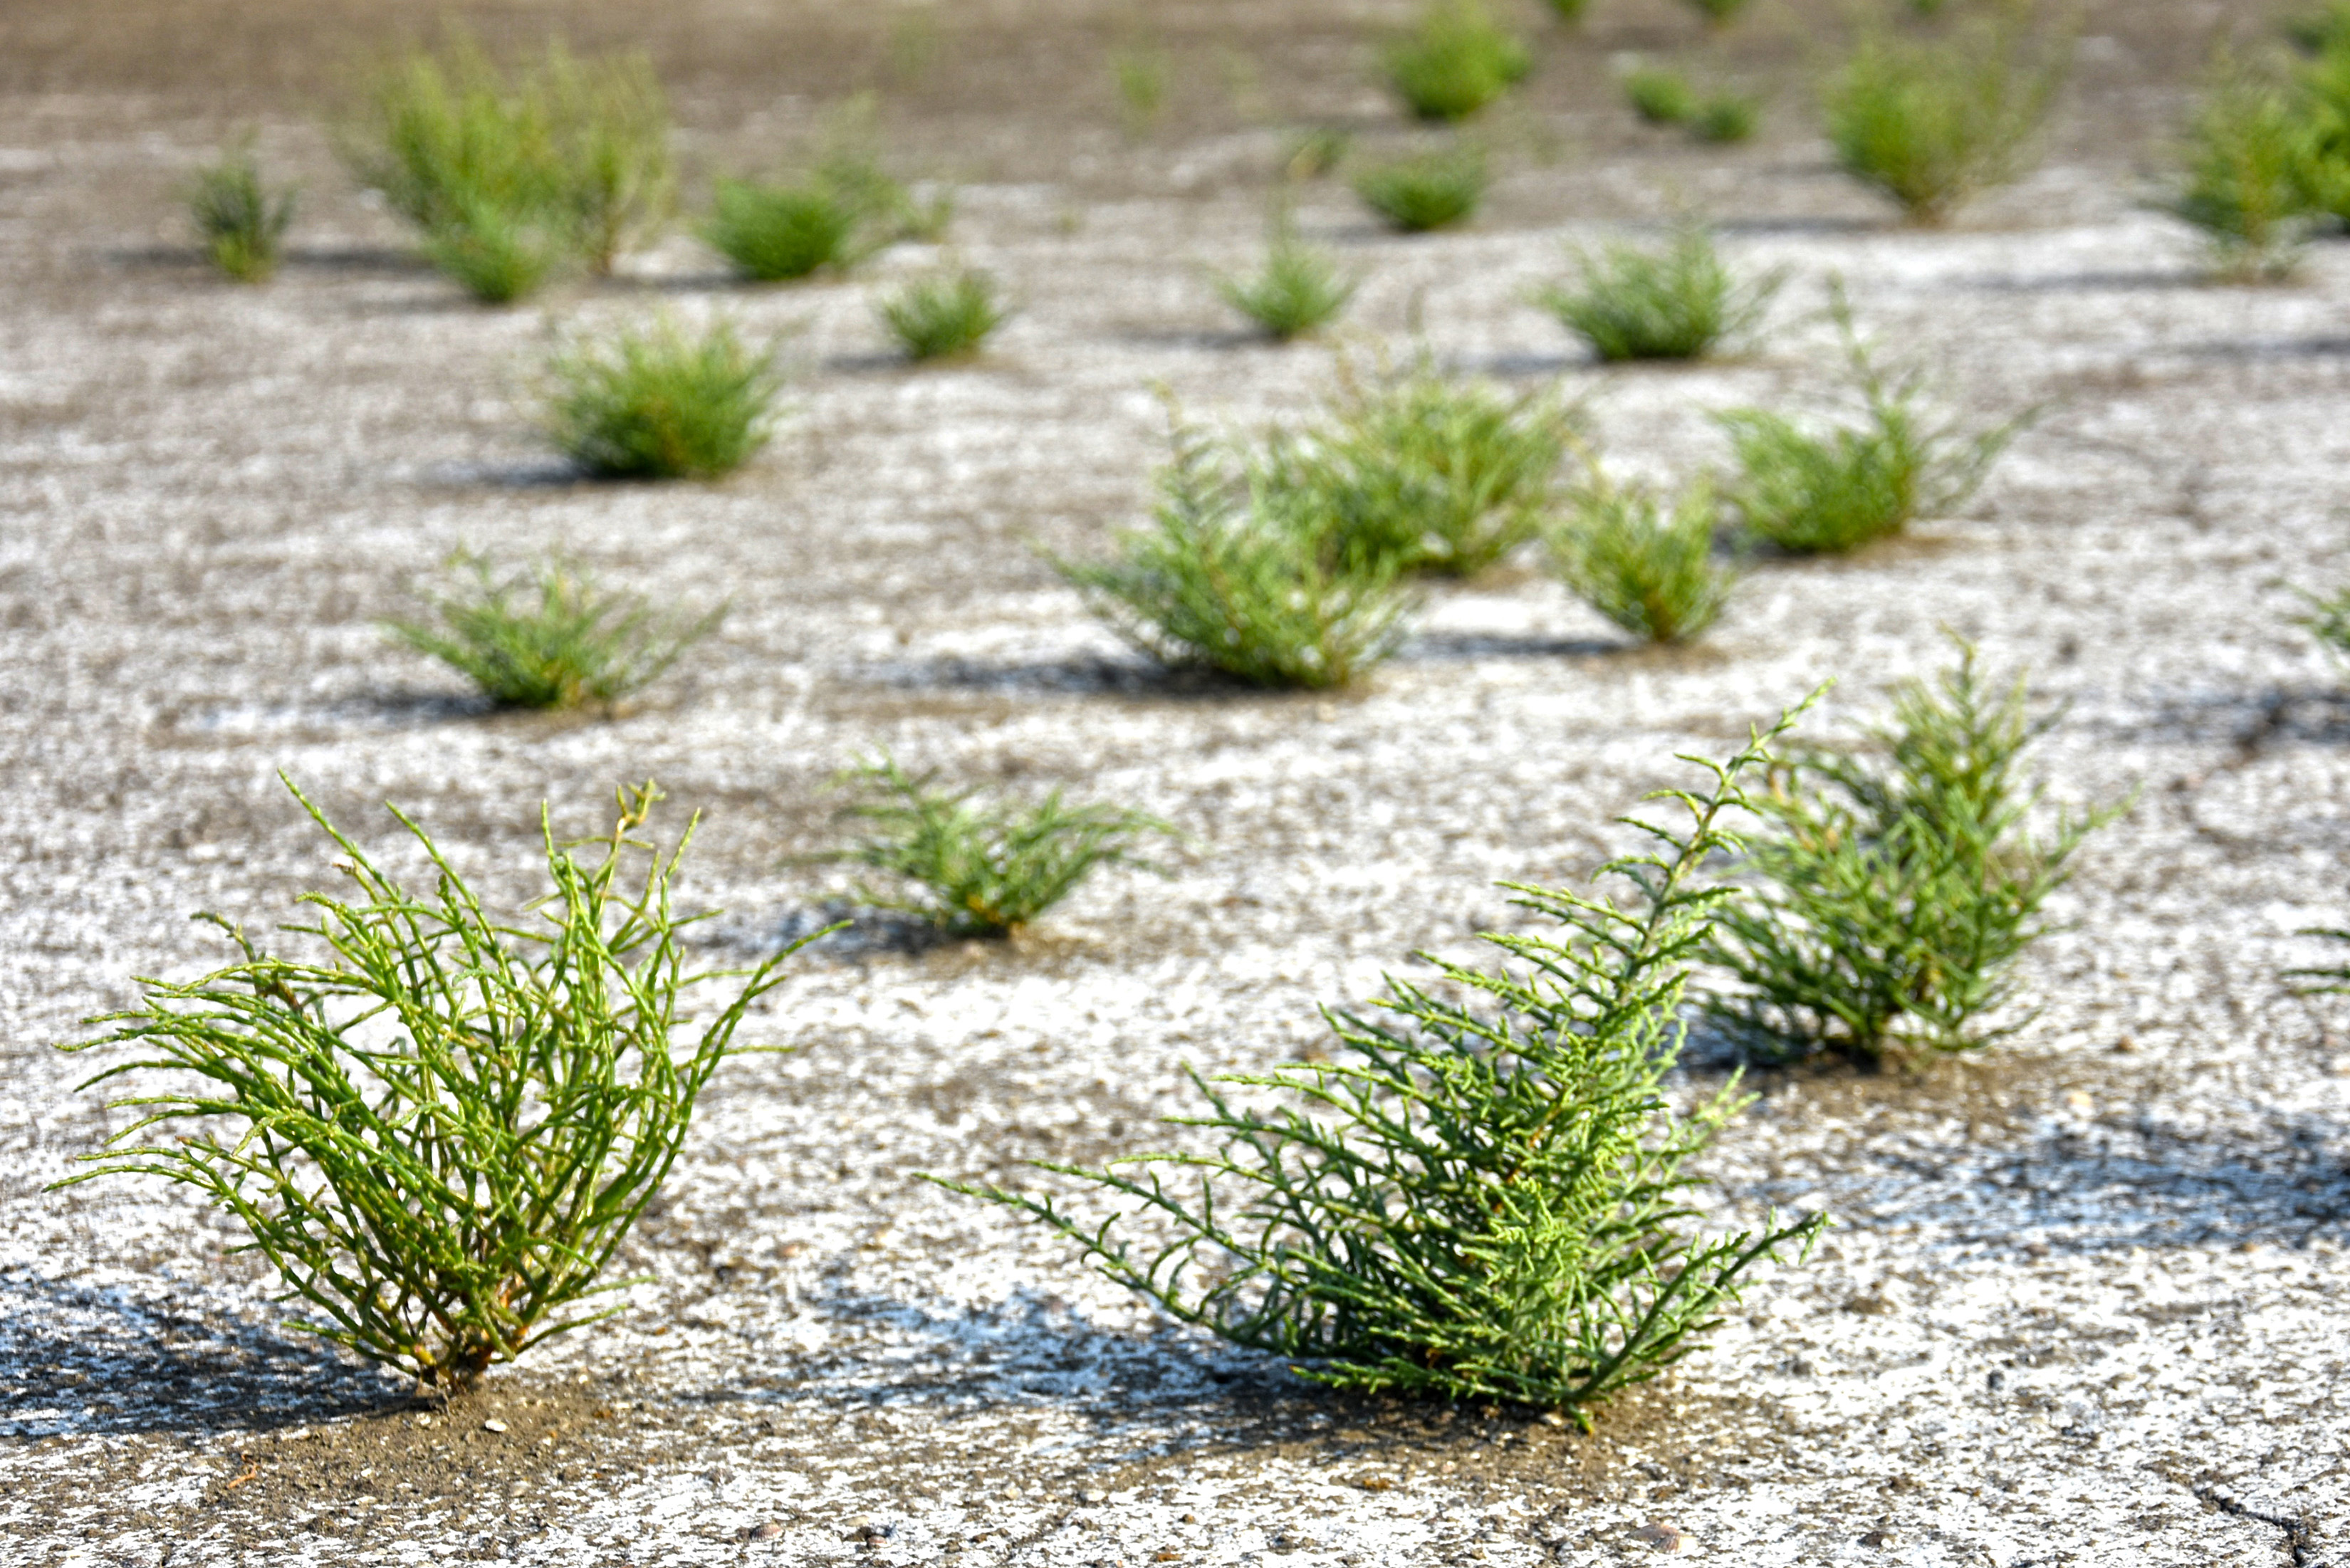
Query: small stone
[(2080, 1103), (1378, 1483), (494, 1425), (1663, 1538), (1554, 1419), (2124, 1046), (424, 1421), (1191, 1519), (1093, 1494), (1881, 1538), (766, 1531)]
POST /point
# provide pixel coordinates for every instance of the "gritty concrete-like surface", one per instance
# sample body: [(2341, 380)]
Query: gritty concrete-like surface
[(2082, 1302)]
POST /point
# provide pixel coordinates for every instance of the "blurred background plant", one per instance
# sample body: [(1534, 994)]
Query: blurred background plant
[(1810, 493), (1678, 302), (1424, 191), (1238, 576), (548, 637), (1932, 121), (1421, 471), (656, 403), (1646, 564), (1298, 291), (511, 177), (2250, 166), (946, 317), (985, 866), (1455, 61), (239, 221)]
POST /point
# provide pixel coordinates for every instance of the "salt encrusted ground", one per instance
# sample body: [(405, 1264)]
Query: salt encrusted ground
[(2082, 1302)]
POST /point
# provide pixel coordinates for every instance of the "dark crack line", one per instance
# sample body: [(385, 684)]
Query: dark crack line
[(2296, 1529)]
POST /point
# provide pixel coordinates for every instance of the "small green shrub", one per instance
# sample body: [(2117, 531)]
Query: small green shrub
[(498, 254), (440, 1129), (1649, 570), (1426, 191), (1718, 13), (1930, 122), (1890, 894), (1810, 493), (1424, 472), (2329, 621), (237, 219), (778, 234), (1679, 303), (1236, 577), (550, 638), (2318, 31), (1301, 290), (656, 404), (944, 317), (1140, 77), (1727, 118), (1661, 97), (1481, 1200), (1456, 61), (1569, 10), (2245, 180), (2319, 107), (985, 867), (610, 123), (509, 178), (1314, 153)]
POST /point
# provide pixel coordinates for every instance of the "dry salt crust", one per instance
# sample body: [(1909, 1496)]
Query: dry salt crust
[(2081, 1305)]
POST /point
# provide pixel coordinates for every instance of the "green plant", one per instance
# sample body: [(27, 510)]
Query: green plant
[(1569, 10), (1679, 303), (1425, 191), (441, 1129), (1300, 290), (1726, 118), (1236, 574), (985, 868), (1890, 894), (2329, 621), (777, 234), (1315, 151), (944, 317), (1718, 13), (1455, 62), (656, 404), (1424, 472), (1649, 570), (1140, 75), (610, 126), (2315, 32), (239, 221), (508, 178), (550, 638), (1659, 95), (1930, 122), (1853, 486), (2245, 178), (1481, 1200)]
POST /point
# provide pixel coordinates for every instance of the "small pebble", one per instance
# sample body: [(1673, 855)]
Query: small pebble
[(1093, 1494), (494, 1425), (2125, 1046), (767, 1531), (1881, 1538), (1663, 1538)]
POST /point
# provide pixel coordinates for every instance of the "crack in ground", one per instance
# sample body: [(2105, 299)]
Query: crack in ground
[(2296, 1529)]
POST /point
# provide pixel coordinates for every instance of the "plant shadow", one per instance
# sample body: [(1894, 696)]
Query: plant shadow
[(89, 1360)]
